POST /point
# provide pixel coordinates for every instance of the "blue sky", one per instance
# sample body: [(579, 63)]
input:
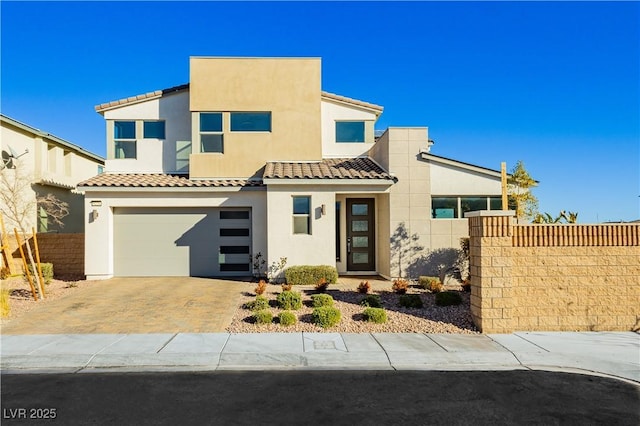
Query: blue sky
[(555, 84)]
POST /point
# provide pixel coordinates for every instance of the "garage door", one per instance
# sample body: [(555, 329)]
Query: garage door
[(197, 242)]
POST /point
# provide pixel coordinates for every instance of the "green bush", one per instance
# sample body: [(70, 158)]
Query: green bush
[(311, 275), (372, 301), (287, 318), (258, 304), (4, 273), (376, 315), (263, 317), (447, 298), (326, 316), (321, 300), (410, 301), (289, 300), (426, 281), (47, 271)]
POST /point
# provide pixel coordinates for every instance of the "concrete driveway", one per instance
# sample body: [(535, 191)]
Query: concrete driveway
[(137, 305)]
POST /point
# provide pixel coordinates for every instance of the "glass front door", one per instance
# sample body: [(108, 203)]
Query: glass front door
[(361, 234)]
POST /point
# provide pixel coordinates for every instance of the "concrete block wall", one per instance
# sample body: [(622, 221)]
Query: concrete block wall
[(552, 281), (65, 251)]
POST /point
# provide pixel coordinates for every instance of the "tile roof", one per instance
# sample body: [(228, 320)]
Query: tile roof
[(329, 168), (159, 93), (162, 181)]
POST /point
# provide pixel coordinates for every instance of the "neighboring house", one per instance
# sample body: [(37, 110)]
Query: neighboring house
[(53, 166), (252, 157)]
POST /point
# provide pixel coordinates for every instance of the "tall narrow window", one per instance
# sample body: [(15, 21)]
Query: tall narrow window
[(338, 231), (124, 139), (211, 139), (183, 150), (302, 215), (349, 131)]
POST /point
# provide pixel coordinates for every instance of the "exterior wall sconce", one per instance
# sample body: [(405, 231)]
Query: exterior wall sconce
[(94, 215), (323, 209)]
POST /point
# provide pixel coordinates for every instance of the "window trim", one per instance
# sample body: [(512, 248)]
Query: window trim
[(211, 132)]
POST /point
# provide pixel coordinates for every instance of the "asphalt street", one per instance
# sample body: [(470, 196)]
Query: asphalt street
[(319, 397)]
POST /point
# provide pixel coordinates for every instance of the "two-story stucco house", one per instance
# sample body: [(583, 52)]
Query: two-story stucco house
[(251, 156), (50, 165)]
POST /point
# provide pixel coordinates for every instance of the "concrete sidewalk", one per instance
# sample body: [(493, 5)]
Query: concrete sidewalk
[(608, 353)]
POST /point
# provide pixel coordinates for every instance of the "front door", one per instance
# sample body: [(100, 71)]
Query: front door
[(361, 234)]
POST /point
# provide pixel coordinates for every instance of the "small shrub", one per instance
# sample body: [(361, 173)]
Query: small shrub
[(321, 300), (433, 284), (447, 298), (4, 273), (289, 300), (5, 308), (261, 287), (287, 318), (321, 286), (364, 287), (311, 275), (400, 286), (72, 284), (466, 285), (326, 316), (286, 287), (263, 317), (410, 301), (47, 271), (376, 315), (258, 304), (372, 301)]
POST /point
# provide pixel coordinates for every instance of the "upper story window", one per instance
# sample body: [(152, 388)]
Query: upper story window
[(211, 138), (349, 131), (251, 121), (124, 139), (153, 130)]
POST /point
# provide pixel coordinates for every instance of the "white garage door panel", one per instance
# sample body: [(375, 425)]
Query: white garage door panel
[(181, 242)]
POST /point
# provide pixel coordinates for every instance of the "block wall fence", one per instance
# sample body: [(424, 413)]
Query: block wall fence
[(536, 277), (65, 251)]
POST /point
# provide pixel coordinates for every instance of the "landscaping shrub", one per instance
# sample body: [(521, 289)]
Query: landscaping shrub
[(326, 316), (376, 315), (286, 287), (289, 300), (261, 287), (321, 286), (447, 298), (372, 301), (466, 285), (310, 275), (5, 308), (258, 304), (400, 286), (321, 300), (4, 273), (47, 271), (287, 318), (426, 281), (263, 317), (364, 287), (410, 301)]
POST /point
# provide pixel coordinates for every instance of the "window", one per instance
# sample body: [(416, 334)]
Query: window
[(349, 131), (124, 139), (456, 207), (250, 121), (211, 139), (338, 231), (183, 150), (153, 129), (100, 169), (302, 215)]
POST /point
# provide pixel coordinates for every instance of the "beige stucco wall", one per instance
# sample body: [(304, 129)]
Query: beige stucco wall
[(288, 87), (99, 234), (562, 281)]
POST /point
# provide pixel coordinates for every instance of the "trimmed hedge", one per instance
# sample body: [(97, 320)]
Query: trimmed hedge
[(447, 298), (321, 300), (311, 274), (289, 300), (375, 315), (326, 316)]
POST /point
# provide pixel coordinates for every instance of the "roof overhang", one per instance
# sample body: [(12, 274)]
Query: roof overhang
[(459, 164)]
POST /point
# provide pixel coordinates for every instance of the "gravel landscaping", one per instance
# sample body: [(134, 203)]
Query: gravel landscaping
[(428, 319)]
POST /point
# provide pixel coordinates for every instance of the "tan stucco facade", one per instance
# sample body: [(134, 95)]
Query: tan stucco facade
[(289, 88)]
